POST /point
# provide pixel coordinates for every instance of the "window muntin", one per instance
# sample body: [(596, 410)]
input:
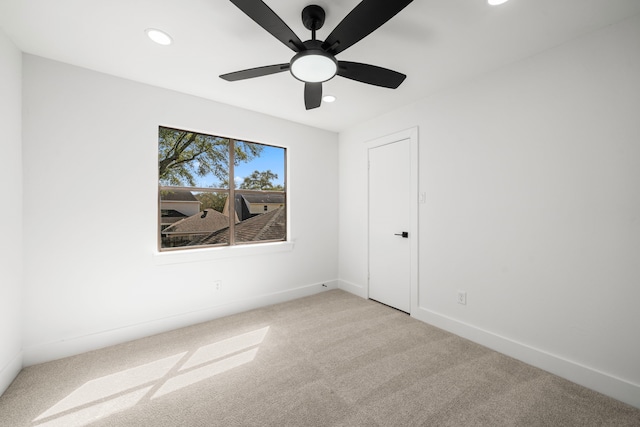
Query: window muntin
[(195, 195)]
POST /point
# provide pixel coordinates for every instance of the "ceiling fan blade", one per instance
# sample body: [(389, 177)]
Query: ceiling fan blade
[(254, 72), (267, 19), (365, 18), (370, 74), (312, 95)]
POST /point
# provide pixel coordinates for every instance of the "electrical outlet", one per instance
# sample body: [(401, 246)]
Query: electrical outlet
[(462, 297), (217, 285)]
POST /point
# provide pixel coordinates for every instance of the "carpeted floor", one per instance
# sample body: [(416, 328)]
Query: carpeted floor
[(332, 359)]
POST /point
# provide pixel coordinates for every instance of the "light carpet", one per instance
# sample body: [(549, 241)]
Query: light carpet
[(332, 359)]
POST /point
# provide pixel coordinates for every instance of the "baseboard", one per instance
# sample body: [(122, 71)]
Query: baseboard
[(352, 288), (599, 381), (10, 371), (81, 344)]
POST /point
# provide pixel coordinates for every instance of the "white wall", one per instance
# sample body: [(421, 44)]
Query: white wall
[(91, 276), (532, 182), (10, 212)]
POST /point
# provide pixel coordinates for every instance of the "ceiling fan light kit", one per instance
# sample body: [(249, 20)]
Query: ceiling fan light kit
[(313, 66), (314, 61)]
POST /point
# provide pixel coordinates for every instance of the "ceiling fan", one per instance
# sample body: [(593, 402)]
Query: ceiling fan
[(315, 61)]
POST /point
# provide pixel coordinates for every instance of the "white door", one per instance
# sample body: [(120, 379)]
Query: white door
[(389, 224)]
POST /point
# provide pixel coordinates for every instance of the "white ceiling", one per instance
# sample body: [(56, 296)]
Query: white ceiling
[(437, 43)]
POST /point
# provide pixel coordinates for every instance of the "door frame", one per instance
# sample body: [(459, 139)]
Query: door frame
[(412, 135)]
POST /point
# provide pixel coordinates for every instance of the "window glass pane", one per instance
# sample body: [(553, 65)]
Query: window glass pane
[(192, 218), (191, 159), (261, 211)]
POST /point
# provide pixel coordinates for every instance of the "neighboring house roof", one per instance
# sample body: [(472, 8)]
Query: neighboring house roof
[(267, 226), (244, 201), (207, 221), (263, 198), (177, 196), (172, 213)]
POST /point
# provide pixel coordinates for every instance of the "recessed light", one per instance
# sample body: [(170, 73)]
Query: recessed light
[(329, 98), (159, 36), (496, 2)]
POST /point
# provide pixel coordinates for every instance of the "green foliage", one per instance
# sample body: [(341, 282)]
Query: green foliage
[(214, 201), (260, 181), (184, 155)]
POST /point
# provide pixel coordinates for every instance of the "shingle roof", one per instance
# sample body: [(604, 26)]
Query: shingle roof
[(177, 196), (264, 198), (207, 221), (267, 226), (172, 213)]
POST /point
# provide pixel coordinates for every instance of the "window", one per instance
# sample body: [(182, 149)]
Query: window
[(203, 178)]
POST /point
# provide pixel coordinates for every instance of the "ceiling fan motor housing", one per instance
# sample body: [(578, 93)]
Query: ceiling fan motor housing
[(313, 17)]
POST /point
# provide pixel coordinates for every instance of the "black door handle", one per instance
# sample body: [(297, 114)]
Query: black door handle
[(404, 234)]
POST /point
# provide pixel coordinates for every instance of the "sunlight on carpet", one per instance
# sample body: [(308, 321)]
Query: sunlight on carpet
[(110, 394)]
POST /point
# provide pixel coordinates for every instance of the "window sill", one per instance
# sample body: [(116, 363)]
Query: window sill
[(212, 254)]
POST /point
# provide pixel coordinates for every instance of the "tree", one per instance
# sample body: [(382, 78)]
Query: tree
[(215, 201), (183, 155), (261, 181)]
